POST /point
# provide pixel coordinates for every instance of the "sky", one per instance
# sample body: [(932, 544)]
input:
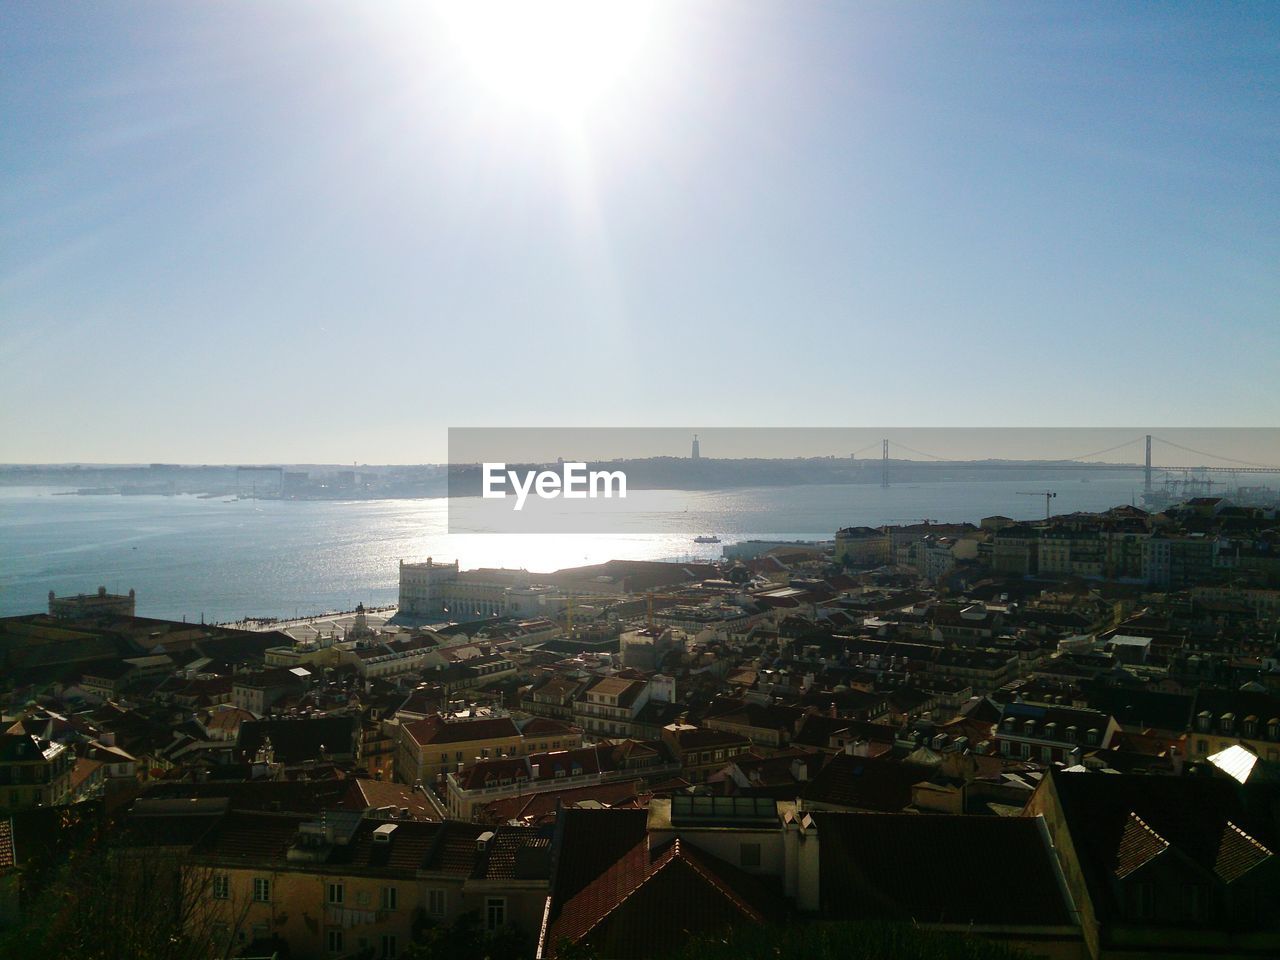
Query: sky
[(328, 232)]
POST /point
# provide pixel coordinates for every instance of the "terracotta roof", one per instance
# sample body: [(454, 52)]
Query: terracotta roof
[(541, 807), (1238, 853), (1139, 845), (588, 842), (7, 858), (650, 905), (362, 794), (437, 729)]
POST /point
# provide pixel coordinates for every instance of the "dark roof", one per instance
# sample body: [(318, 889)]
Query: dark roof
[(292, 796), (1142, 708), (1117, 822), (588, 842), (938, 869), (294, 740), (865, 783)]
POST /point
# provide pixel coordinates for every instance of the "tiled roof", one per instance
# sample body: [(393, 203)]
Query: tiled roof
[(1238, 853), (939, 869), (1139, 845), (588, 843), (362, 794), (7, 858), (541, 807), (651, 905), (251, 837), (1203, 818), (438, 730)]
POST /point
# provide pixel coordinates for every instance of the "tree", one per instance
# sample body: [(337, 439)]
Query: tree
[(104, 899), (464, 939)]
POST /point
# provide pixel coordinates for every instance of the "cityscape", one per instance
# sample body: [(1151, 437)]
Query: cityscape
[(792, 734), (639, 480)]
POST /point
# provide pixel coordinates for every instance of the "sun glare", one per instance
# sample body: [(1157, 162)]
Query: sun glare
[(558, 57)]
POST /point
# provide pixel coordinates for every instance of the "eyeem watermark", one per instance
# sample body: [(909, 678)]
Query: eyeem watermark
[(574, 482)]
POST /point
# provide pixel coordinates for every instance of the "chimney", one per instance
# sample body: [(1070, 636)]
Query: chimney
[(799, 770)]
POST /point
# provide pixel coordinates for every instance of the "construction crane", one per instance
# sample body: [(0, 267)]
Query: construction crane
[(1047, 494), (925, 520)]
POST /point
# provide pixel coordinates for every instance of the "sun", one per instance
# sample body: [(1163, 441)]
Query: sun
[(561, 58)]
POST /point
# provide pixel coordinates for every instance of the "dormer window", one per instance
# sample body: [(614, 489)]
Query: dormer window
[(1008, 724), (1273, 728), (1050, 731), (1072, 734), (1203, 719), (1228, 722), (1250, 726), (1028, 728), (1091, 737)]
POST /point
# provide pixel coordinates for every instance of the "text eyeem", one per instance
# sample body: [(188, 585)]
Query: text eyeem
[(574, 482)]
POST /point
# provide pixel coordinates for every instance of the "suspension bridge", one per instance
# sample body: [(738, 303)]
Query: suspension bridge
[(1227, 465)]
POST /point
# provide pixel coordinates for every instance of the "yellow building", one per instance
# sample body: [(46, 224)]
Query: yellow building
[(352, 886), (862, 547)]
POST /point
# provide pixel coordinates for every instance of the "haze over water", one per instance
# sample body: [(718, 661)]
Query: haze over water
[(195, 557)]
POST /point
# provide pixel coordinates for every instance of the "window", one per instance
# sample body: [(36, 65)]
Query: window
[(336, 894), (389, 898), (749, 854), (261, 890), (1046, 754), (389, 951), (495, 913), (1142, 902), (435, 903), (221, 887), (1194, 897), (333, 940)]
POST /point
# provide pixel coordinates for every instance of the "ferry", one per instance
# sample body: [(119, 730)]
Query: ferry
[(706, 539)]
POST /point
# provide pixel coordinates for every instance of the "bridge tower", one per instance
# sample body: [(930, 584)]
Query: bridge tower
[(1147, 476), (884, 465)]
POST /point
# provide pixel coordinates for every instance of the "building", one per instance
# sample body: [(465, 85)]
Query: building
[(637, 884), (644, 649), (1162, 866), (1226, 718), (1051, 734), (702, 751), (862, 547), (470, 789), (440, 591), (350, 885), (87, 606), (34, 772), (430, 748), (615, 706)]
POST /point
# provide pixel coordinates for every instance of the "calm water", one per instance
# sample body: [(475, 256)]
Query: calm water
[(191, 557)]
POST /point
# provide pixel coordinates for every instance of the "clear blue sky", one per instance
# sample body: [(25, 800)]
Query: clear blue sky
[(317, 232)]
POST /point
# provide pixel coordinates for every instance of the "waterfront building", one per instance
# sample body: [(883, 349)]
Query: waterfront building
[(87, 606)]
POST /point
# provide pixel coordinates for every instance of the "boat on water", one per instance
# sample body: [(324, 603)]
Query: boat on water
[(706, 539)]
